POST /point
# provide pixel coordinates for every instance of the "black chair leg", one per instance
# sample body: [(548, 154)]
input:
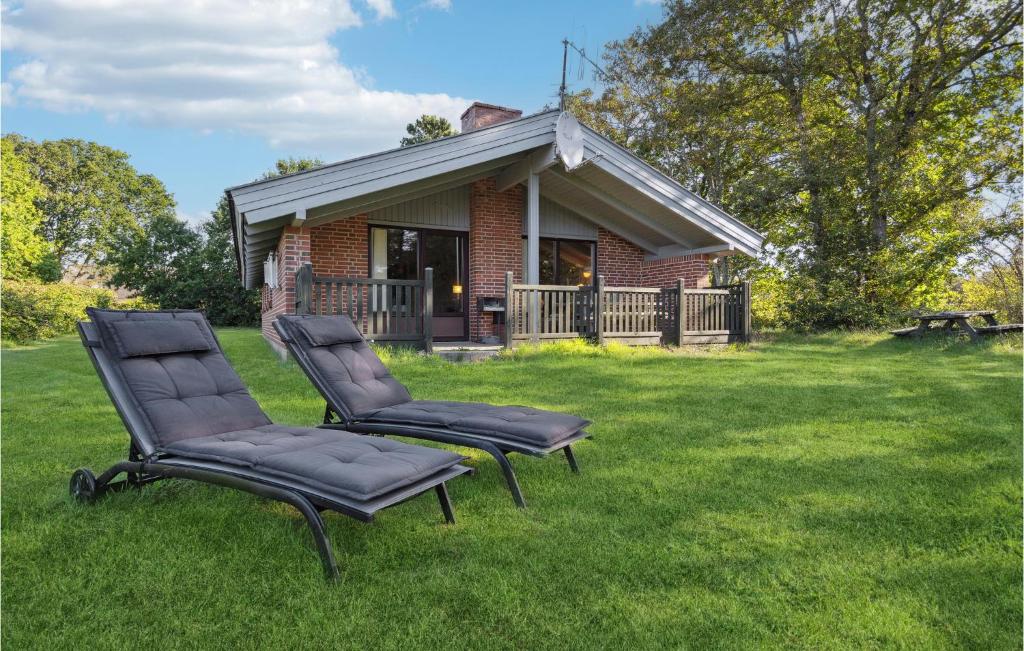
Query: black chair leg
[(446, 503), (316, 526), (506, 469), (573, 465)]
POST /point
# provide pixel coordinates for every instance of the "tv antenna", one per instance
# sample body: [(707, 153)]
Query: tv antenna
[(598, 70)]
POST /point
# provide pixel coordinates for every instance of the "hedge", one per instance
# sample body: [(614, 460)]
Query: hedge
[(31, 311)]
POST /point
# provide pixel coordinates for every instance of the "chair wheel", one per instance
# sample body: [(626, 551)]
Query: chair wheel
[(83, 486)]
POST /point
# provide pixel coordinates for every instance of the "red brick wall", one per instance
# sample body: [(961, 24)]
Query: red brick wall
[(292, 252), (618, 261), (341, 248), (495, 246), (664, 273)]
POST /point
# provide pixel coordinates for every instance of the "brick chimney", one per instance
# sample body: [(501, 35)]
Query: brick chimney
[(480, 115)]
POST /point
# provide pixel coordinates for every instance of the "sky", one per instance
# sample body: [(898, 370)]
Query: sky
[(207, 94)]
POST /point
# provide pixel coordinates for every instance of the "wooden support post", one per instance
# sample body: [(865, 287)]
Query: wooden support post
[(532, 274), (599, 310), (747, 334), (681, 312), (428, 310), (509, 280), (533, 250), (304, 289)]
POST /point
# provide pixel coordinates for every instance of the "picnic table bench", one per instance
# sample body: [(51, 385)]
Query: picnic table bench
[(959, 320)]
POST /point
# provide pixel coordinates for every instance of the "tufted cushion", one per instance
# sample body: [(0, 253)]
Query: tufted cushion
[(533, 426), (353, 371), (327, 330), (138, 338), (180, 394), (355, 466)]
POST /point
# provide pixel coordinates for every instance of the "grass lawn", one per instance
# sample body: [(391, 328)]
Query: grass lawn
[(827, 491)]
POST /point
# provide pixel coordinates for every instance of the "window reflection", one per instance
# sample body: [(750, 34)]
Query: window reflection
[(564, 262), (574, 263), (443, 253)]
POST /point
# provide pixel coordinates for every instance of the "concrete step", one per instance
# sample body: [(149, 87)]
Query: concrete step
[(465, 351)]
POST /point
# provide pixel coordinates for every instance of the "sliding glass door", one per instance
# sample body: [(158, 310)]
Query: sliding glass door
[(403, 253)]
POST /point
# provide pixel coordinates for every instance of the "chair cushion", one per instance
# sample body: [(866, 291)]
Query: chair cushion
[(358, 377), (139, 338), (180, 394), (327, 330), (524, 424), (351, 369), (352, 465)]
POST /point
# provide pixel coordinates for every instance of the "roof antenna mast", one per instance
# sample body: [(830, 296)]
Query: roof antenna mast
[(561, 89)]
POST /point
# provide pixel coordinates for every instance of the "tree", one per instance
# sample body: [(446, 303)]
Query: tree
[(24, 253), (860, 137), (427, 128), (177, 266), (997, 268), (92, 196), (290, 166), (157, 262)]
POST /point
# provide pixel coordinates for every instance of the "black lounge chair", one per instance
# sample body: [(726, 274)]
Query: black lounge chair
[(362, 393), (189, 416)]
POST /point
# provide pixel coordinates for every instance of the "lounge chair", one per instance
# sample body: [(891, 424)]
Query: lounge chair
[(361, 392), (189, 416)]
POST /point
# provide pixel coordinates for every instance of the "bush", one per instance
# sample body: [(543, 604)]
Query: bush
[(31, 311), (768, 303), (135, 303)]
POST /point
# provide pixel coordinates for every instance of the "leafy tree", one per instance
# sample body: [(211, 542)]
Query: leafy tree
[(92, 196), (997, 278), (427, 128), (159, 262), (860, 137), (25, 254), (177, 266), (290, 166)]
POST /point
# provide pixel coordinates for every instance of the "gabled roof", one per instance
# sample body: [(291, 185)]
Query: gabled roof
[(616, 190)]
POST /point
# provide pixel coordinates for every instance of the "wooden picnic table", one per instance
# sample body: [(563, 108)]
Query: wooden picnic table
[(957, 320)]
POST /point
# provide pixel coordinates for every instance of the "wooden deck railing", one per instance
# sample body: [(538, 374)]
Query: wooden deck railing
[(534, 312), (383, 309), (631, 315), (402, 310), (716, 315)]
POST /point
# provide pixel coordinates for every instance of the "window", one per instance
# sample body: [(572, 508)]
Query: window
[(564, 262), (395, 253), (575, 263), (403, 254)]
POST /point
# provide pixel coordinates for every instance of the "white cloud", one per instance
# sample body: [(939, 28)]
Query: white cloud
[(252, 66), (383, 8), (443, 5)]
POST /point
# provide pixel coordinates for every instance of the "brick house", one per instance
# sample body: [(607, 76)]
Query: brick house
[(498, 197)]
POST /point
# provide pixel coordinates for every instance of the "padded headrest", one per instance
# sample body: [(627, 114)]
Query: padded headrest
[(142, 334), (140, 338), (326, 330)]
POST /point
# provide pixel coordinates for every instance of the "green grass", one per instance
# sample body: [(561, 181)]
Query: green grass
[(831, 491)]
